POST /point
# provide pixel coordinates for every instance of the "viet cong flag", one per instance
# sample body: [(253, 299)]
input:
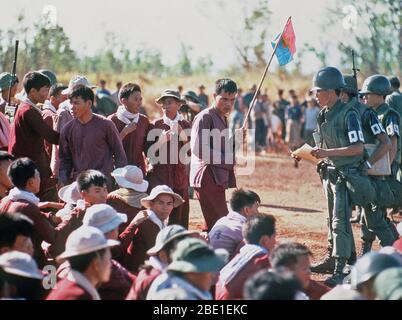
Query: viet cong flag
[(287, 47)]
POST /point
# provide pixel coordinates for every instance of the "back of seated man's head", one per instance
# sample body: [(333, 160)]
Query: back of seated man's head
[(260, 230), (15, 233), (294, 257), (92, 185), (24, 174), (269, 285), (245, 202)]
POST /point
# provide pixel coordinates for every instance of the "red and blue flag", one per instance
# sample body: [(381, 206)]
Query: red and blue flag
[(287, 46)]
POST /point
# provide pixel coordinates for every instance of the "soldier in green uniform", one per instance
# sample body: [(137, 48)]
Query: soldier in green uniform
[(341, 145), (394, 99), (374, 91), (373, 220)]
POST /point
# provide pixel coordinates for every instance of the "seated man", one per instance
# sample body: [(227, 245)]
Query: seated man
[(160, 257), (160, 204), (260, 237), (133, 187), (227, 231), (26, 179), (15, 233), (20, 276), (88, 253), (191, 273), (5, 183), (269, 285), (295, 257)]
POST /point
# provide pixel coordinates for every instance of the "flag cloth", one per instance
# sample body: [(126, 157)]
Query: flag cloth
[(287, 47)]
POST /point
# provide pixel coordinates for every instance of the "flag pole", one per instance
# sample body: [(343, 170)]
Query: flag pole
[(264, 75)]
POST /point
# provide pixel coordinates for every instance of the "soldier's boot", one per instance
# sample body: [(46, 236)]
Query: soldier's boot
[(358, 216), (366, 247), (325, 266), (338, 275), (350, 262)]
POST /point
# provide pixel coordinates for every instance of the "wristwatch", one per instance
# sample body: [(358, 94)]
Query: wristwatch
[(368, 164)]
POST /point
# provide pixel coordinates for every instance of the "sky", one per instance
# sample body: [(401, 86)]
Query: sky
[(204, 25)]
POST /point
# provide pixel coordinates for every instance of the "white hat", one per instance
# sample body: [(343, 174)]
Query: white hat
[(77, 80), (163, 189), (70, 193), (103, 217), (399, 228), (20, 264), (130, 177), (85, 240)]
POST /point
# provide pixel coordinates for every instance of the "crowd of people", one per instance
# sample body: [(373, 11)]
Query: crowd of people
[(96, 206)]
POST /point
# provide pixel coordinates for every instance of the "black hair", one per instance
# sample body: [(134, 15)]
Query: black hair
[(257, 227), (280, 91), (225, 85), (35, 80), (13, 225), (89, 178), (27, 288), (268, 285), (20, 171), (128, 89), (102, 81), (81, 263), (84, 92), (6, 156), (338, 92), (56, 89), (287, 254), (395, 83), (243, 198)]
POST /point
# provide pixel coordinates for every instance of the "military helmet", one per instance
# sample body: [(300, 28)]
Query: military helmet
[(376, 84), (369, 265), (50, 74), (328, 78), (351, 84)]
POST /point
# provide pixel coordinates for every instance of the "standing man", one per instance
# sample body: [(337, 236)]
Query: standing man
[(394, 99), (281, 105), (341, 145), (49, 111), (373, 222), (202, 97), (169, 138), (29, 131), (374, 91), (132, 126), (89, 141), (212, 167)]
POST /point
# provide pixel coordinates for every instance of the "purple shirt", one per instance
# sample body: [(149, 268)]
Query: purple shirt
[(92, 145), (204, 154), (227, 232)]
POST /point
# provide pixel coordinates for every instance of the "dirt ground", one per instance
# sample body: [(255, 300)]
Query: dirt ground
[(294, 196)]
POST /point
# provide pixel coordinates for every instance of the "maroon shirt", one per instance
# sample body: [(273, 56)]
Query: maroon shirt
[(316, 290), (140, 287), (27, 135), (68, 290), (223, 171), (171, 173), (234, 289), (43, 229), (121, 206), (93, 145), (143, 240), (118, 285), (48, 116), (134, 144)]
